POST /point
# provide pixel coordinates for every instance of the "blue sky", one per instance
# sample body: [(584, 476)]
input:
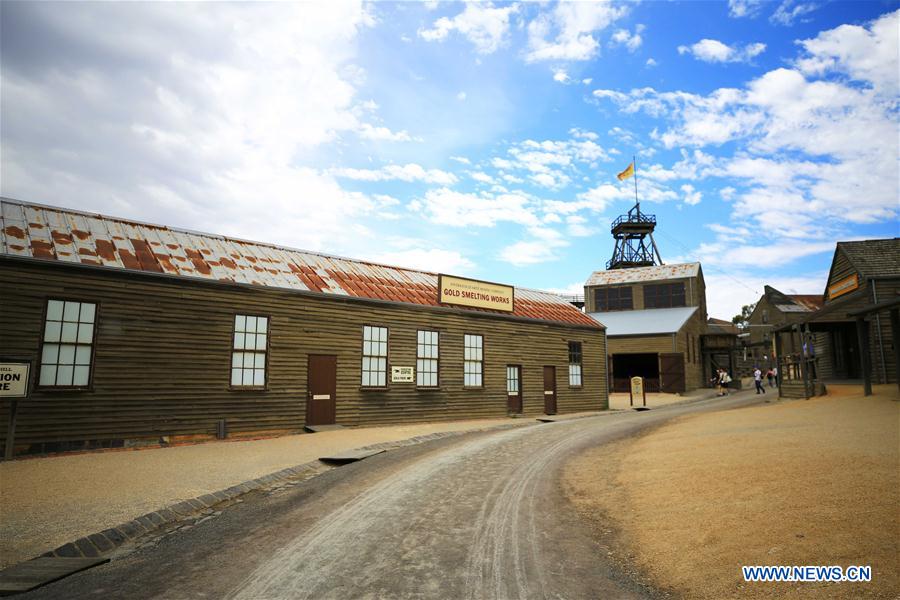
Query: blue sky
[(477, 139)]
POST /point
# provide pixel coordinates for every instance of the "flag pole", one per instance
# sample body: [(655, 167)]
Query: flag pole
[(636, 201)]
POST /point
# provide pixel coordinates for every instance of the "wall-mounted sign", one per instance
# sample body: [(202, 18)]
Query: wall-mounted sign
[(471, 292), (844, 286), (14, 380), (402, 374)]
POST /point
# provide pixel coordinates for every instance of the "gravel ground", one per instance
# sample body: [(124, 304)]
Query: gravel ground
[(47, 502), (620, 401), (789, 483)]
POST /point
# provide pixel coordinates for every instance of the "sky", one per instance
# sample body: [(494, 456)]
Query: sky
[(476, 139)]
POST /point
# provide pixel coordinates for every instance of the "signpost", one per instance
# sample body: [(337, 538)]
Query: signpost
[(13, 385), (402, 374), (637, 390)]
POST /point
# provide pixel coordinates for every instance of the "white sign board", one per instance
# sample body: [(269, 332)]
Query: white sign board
[(402, 374), (14, 380)]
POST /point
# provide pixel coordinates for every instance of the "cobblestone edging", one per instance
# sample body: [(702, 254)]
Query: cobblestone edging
[(197, 510)]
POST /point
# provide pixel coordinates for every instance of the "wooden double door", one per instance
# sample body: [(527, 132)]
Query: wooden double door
[(321, 391)]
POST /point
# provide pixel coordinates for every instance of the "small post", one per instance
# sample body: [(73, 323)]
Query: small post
[(895, 335), (779, 365), (11, 431), (862, 333)]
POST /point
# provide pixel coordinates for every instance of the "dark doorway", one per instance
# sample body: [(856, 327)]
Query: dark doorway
[(514, 389), (550, 390), (845, 344), (626, 366), (322, 389), (671, 373)]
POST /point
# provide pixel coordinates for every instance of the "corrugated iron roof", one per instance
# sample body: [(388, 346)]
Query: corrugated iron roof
[(812, 302), (49, 233), (655, 273), (651, 321)]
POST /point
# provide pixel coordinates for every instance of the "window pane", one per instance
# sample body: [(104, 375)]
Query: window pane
[(81, 376), (260, 341), (48, 374), (237, 359), (248, 360), (54, 310), (259, 377), (238, 341), (262, 324), (67, 354), (240, 323), (52, 331), (64, 375), (420, 379), (250, 341), (87, 312), (251, 324), (382, 379), (365, 378), (69, 332), (383, 349), (85, 333), (235, 377), (70, 313), (260, 360), (420, 337), (367, 348), (83, 355), (50, 354)]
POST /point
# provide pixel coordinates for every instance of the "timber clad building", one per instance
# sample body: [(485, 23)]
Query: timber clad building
[(142, 332), (654, 317)]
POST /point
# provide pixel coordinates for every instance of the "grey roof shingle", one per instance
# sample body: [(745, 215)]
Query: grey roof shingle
[(874, 258)]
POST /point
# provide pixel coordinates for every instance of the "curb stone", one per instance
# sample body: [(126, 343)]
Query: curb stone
[(199, 509)]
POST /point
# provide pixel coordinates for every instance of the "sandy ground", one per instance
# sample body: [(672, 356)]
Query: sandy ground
[(812, 482), (47, 502), (620, 401)]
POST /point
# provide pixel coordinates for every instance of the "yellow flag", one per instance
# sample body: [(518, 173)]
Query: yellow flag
[(628, 172)]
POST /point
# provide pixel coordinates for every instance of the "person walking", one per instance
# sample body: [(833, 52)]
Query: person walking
[(724, 380), (770, 375), (757, 379)]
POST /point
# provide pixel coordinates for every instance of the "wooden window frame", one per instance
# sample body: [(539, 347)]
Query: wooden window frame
[(518, 370), (656, 295), (387, 358), (40, 364), (580, 363), (618, 289), (436, 386), (250, 388), (482, 361)]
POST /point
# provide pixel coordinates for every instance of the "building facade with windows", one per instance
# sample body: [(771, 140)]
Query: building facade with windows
[(137, 332), (655, 317)]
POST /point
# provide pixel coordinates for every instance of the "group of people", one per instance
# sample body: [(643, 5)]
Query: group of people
[(722, 379), (771, 376)]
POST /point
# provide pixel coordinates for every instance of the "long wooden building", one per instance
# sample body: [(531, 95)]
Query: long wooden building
[(138, 332)]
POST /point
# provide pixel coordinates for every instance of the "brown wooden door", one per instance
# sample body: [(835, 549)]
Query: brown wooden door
[(550, 390), (321, 392), (514, 388), (671, 373)]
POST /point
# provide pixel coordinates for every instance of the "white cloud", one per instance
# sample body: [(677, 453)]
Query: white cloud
[(408, 172), (461, 159), (691, 195), (587, 80), (459, 209), (744, 8), (650, 63), (434, 260), (790, 10), (190, 115), (560, 76), (481, 177), (542, 246), (583, 134), (709, 50), (566, 32), (632, 41), (461, 96), (552, 163), (484, 25), (370, 132)]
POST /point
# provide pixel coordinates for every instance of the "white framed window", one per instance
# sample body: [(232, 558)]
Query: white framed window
[(248, 353), (427, 358), (512, 380), (473, 360), (574, 364), (68, 344), (374, 356)]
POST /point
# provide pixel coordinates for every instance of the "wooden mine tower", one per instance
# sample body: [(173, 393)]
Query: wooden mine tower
[(632, 248)]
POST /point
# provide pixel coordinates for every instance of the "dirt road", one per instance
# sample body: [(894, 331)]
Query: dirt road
[(478, 516)]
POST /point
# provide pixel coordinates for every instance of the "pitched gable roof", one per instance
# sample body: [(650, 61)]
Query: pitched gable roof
[(47, 233), (873, 258)]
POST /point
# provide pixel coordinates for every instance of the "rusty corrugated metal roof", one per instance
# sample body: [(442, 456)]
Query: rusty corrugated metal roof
[(640, 274), (49, 233)]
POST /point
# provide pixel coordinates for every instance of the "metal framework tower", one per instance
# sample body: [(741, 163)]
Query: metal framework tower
[(632, 248)]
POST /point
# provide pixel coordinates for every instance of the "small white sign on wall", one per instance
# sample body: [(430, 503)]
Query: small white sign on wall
[(403, 374), (14, 380)]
